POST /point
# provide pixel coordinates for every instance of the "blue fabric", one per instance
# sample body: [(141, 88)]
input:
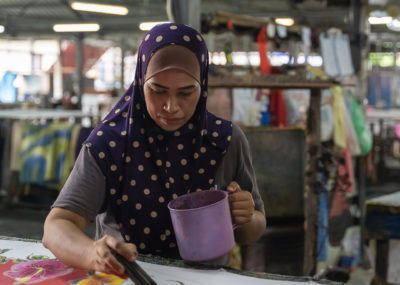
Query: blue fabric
[(145, 166), (8, 93), (44, 150)]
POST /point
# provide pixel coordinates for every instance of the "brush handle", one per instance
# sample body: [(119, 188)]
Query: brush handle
[(135, 272)]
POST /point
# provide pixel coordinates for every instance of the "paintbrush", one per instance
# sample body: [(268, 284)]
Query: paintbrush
[(135, 272)]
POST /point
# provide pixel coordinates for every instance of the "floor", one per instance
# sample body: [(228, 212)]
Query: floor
[(25, 222)]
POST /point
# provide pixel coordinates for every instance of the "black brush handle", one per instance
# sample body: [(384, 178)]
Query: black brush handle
[(135, 272)]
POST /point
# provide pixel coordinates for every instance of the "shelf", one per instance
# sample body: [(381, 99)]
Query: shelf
[(23, 114), (269, 81)]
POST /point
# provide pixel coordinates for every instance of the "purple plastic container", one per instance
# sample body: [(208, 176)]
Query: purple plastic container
[(203, 225)]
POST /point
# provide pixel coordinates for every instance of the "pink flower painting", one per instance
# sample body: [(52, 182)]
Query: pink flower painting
[(31, 272)]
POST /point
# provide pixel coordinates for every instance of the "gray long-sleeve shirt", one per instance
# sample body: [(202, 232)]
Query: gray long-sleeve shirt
[(85, 193)]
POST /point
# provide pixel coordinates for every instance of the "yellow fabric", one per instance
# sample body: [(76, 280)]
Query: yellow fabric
[(339, 128), (15, 161), (236, 257)]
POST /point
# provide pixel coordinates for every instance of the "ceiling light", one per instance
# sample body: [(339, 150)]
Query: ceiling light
[(100, 8), (284, 21), (82, 27), (2, 29), (380, 20), (147, 26)]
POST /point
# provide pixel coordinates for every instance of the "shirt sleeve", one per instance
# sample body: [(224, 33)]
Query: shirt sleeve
[(84, 190), (237, 166)]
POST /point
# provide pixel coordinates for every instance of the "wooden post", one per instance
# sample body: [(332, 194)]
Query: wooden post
[(310, 195)]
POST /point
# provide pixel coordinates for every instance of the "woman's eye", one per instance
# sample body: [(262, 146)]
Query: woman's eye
[(158, 92), (185, 93)]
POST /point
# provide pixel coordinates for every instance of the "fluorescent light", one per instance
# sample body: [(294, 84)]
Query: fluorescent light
[(284, 21), (2, 29), (78, 27), (394, 25), (380, 20), (147, 26), (100, 8)]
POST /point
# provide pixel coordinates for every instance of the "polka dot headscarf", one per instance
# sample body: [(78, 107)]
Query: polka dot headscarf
[(145, 167)]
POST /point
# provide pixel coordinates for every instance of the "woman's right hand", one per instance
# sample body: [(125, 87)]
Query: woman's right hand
[(102, 255)]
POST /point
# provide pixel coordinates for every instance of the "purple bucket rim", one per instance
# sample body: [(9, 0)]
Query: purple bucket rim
[(198, 208)]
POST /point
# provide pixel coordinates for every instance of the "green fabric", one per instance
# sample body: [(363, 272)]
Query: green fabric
[(362, 131)]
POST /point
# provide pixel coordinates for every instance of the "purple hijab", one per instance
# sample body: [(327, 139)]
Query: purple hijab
[(145, 166)]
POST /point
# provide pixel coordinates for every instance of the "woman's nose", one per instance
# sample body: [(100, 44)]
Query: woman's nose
[(170, 105)]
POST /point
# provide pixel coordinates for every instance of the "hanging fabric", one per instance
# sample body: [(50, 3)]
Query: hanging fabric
[(44, 153), (339, 130)]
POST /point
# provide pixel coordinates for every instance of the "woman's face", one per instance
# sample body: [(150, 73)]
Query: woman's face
[(171, 98)]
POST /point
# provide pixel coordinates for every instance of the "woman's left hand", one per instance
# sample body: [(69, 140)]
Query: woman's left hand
[(241, 204)]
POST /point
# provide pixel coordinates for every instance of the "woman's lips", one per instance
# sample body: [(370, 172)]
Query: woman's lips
[(171, 121)]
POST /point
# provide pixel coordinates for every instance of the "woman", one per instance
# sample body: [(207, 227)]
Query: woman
[(159, 142)]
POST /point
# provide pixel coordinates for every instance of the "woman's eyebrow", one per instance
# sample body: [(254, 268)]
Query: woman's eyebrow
[(192, 86), (187, 87), (159, 85)]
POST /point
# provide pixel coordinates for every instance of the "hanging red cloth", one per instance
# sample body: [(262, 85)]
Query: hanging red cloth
[(277, 109), (262, 40)]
